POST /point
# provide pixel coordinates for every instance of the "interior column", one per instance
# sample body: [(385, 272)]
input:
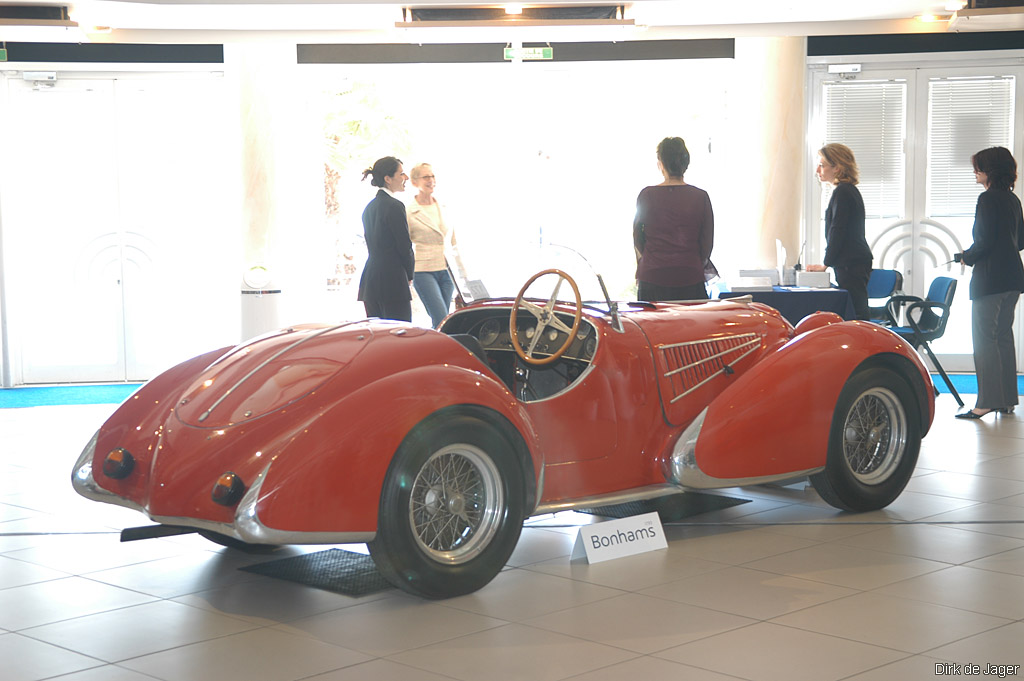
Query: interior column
[(767, 151), (279, 276)]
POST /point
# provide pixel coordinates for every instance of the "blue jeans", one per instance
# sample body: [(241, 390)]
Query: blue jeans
[(435, 292)]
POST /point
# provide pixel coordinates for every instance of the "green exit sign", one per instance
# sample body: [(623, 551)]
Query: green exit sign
[(3, 54), (529, 53)]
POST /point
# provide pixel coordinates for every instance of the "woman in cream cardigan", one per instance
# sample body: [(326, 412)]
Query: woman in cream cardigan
[(430, 237)]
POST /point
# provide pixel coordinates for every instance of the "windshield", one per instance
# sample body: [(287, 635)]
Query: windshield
[(502, 272)]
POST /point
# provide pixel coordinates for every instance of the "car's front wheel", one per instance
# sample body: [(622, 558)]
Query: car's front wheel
[(451, 509), (873, 444)]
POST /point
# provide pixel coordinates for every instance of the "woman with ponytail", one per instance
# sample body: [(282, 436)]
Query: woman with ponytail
[(384, 284)]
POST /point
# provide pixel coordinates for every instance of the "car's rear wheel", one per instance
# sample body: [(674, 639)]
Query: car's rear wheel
[(451, 509), (873, 444)]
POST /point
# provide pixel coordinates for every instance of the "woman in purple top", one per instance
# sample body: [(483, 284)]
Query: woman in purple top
[(673, 232)]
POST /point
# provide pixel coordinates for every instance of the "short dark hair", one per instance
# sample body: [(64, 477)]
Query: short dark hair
[(382, 167), (998, 165), (674, 157)]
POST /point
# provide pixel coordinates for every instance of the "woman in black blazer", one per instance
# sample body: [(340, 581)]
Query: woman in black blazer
[(997, 281), (384, 284), (846, 251)]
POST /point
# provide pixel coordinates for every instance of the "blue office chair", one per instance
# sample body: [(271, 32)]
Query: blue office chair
[(926, 320), (883, 284)]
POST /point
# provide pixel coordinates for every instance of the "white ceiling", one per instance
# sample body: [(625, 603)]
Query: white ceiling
[(374, 20)]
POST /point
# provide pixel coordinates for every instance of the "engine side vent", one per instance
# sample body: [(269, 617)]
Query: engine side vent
[(693, 363)]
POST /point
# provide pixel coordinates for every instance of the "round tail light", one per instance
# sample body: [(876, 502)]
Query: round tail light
[(119, 464), (228, 489)]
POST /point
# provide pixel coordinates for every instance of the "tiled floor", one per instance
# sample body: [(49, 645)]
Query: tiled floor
[(780, 588)]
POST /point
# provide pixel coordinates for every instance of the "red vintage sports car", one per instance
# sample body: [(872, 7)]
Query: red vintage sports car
[(433, 446)]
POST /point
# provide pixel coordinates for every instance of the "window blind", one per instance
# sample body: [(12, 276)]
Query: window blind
[(869, 117), (964, 117)]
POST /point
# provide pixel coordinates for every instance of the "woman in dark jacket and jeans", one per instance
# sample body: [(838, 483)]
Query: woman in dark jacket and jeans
[(997, 281)]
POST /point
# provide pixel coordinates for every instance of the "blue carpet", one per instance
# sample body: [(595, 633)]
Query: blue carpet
[(45, 396), (967, 383)]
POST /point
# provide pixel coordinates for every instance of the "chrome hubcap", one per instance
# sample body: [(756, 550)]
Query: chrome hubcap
[(456, 504), (875, 436)]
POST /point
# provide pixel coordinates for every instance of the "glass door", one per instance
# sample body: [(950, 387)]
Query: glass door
[(913, 132), (121, 258), (181, 247), (963, 112), (61, 245)]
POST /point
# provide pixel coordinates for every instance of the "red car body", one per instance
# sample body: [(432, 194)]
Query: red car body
[(316, 425)]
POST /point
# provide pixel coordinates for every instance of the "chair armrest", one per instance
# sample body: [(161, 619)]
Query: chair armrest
[(927, 305), (894, 303)]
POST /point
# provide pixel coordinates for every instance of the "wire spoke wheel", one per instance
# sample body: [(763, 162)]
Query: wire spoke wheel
[(451, 507), (457, 504), (875, 435), (873, 442)]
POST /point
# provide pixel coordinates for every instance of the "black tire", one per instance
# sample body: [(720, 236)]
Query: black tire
[(451, 509), (873, 444)]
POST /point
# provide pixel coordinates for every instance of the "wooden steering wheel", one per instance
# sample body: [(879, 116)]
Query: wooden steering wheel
[(545, 317)]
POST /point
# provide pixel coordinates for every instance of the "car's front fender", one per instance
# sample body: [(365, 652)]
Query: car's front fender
[(776, 418)]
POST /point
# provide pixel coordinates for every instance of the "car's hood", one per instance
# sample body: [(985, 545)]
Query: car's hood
[(701, 348), (270, 373)]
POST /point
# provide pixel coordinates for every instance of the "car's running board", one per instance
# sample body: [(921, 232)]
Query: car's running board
[(621, 497), (153, 531)]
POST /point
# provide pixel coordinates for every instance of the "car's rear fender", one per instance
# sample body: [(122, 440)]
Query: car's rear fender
[(328, 478), (775, 419), (137, 419)]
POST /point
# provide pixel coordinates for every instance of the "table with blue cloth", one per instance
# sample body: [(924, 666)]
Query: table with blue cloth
[(796, 303)]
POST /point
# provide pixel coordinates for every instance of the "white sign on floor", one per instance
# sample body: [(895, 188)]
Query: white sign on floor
[(619, 538)]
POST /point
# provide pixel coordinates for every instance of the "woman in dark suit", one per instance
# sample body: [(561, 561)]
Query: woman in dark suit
[(384, 284), (997, 281), (846, 250)]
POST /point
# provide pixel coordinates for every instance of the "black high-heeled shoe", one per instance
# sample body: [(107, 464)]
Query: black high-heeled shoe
[(971, 414)]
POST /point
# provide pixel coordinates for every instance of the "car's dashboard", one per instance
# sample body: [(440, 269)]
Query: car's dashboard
[(494, 334), (490, 326)]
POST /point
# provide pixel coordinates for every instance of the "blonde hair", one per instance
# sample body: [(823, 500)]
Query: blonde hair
[(417, 170), (840, 156)]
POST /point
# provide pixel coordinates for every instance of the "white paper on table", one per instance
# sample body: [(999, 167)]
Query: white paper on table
[(780, 259)]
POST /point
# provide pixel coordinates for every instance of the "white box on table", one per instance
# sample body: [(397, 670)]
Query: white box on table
[(813, 279)]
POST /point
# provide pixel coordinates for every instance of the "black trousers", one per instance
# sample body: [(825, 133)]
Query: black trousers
[(389, 309), (854, 278), (652, 292)]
